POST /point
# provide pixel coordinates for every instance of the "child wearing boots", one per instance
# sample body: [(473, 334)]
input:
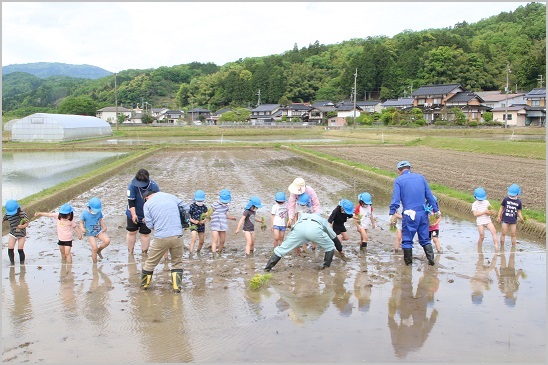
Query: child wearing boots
[(18, 222), (197, 229), (65, 225), (363, 214), (509, 213), (248, 220)]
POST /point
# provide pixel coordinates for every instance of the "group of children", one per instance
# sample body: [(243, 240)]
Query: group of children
[(91, 222), (91, 225)]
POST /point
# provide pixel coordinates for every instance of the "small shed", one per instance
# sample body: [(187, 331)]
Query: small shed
[(44, 127)]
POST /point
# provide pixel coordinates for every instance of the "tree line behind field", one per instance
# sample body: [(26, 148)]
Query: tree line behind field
[(474, 55)]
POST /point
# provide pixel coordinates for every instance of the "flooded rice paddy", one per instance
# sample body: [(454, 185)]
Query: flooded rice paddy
[(473, 306)]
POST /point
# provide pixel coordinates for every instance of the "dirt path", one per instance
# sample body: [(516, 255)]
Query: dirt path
[(462, 171)]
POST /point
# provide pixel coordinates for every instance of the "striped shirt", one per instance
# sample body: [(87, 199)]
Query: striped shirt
[(14, 221), (480, 206)]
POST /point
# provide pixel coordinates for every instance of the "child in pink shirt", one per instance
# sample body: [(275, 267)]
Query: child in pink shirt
[(65, 226)]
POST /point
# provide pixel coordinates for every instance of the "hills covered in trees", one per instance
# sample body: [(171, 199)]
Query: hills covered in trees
[(474, 55)]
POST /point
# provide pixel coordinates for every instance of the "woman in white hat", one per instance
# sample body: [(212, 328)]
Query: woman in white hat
[(297, 188)]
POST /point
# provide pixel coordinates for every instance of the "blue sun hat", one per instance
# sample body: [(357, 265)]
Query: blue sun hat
[(11, 207), (280, 197), (199, 196), (403, 164), (365, 197), (224, 196), (514, 190), (95, 205), (347, 206), (304, 199), (480, 194), (254, 201), (65, 209)]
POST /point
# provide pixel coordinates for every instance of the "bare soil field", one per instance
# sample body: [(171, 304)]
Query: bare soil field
[(463, 171)]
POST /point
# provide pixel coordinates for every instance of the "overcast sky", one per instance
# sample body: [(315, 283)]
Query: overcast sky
[(141, 35)]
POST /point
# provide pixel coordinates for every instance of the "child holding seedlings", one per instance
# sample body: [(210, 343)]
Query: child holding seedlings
[(396, 224), (18, 221), (65, 225), (482, 211), (278, 218), (337, 219), (198, 213), (219, 220), (248, 220), (91, 222), (509, 213), (363, 214)]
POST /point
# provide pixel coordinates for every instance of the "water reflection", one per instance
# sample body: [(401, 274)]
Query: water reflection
[(482, 279), (410, 331), (363, 287), (508, 277), (342, 296), (67, 293), (22, 176), (21, 310), (97, 298)]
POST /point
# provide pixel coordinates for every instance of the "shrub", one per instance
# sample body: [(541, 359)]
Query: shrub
[(441, 122), (472, 123)]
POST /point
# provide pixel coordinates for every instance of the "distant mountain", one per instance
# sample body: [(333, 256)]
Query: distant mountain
[(47, 69)]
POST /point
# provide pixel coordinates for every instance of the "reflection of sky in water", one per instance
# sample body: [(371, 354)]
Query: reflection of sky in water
[(27, 173)]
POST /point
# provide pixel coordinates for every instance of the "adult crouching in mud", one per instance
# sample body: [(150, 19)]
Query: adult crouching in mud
[(134, 211), (311, 227), (161, 212), (412, 190)]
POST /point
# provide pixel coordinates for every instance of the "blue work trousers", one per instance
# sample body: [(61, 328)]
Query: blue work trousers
[(420, 226)]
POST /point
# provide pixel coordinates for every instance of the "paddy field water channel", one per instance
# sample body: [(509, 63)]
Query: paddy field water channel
[(474, 305)]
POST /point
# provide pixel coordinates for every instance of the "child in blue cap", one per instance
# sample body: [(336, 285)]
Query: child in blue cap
[(248, 220), (91, 222), (509, 213), (18, 222), (279, 218), (219, 220), (482, 212)]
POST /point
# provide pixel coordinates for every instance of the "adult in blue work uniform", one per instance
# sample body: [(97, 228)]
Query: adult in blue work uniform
[(412, 190), (134, 211), (311, 227)]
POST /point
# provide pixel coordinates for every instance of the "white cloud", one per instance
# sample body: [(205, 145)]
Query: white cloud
[(118, 36)]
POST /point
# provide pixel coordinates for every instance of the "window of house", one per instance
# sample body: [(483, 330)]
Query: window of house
[(437, 101), (507, 117), (421, 101), (535, 102)]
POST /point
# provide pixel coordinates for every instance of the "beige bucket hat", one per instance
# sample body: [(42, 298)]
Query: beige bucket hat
[(297, 186)]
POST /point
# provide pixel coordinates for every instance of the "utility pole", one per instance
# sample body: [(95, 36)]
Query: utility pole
[(259, 97), (355, 77), (506, 104), (540, 82), (116, 101)]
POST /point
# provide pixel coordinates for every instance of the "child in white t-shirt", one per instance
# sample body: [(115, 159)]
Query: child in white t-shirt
[(278, 218), (482, 212)]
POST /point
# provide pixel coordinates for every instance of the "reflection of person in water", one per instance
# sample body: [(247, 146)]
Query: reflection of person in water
[(415, 324), (342, 296), (508, 277), (66, 290), (97, 298), (481, 279), (363, 287), (21, 308)]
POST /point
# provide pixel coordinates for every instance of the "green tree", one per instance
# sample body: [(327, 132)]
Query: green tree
[(147, 118), (488, 116), (80, 105)]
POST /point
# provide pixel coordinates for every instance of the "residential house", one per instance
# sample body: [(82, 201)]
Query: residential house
[(516, 114), (156, 112), (265, 114), (171, 116), (108, 113), (214, 117), (431, 99), (536, 107), (497, 99), (295, 110), (319, 110), (196, 112), (343, 111), (370, 106), (400, 103), (469, 103), (136, 118)]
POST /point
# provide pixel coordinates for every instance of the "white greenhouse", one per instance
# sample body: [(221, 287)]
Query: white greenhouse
[(43, 127)]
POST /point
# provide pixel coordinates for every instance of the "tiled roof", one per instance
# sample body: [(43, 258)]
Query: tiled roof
[(347, 107), (266, 107), (398, 102), (368, 102), (443, 89), (121, 109), (496, 95), (536, 93), (323, 103), (464, 97)]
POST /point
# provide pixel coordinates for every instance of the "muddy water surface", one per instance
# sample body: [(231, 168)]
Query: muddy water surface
[(472, 306)]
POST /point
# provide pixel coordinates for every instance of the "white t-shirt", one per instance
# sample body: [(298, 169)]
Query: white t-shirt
[(365, 212), (480, 206), (279, 211)]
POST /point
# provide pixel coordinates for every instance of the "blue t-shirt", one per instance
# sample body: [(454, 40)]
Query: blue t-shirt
[(510, 209), (92, 222), (136, 193)]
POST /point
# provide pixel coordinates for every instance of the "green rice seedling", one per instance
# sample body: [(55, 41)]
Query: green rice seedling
[(259, 280)]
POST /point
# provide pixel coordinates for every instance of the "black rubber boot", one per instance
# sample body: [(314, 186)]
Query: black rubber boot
[(327, 259), (146, 277), (21, 256), (429, 253), (177, 280), (272, 262), (338, 244), (408, 256), (11, 255), (364, 245)]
